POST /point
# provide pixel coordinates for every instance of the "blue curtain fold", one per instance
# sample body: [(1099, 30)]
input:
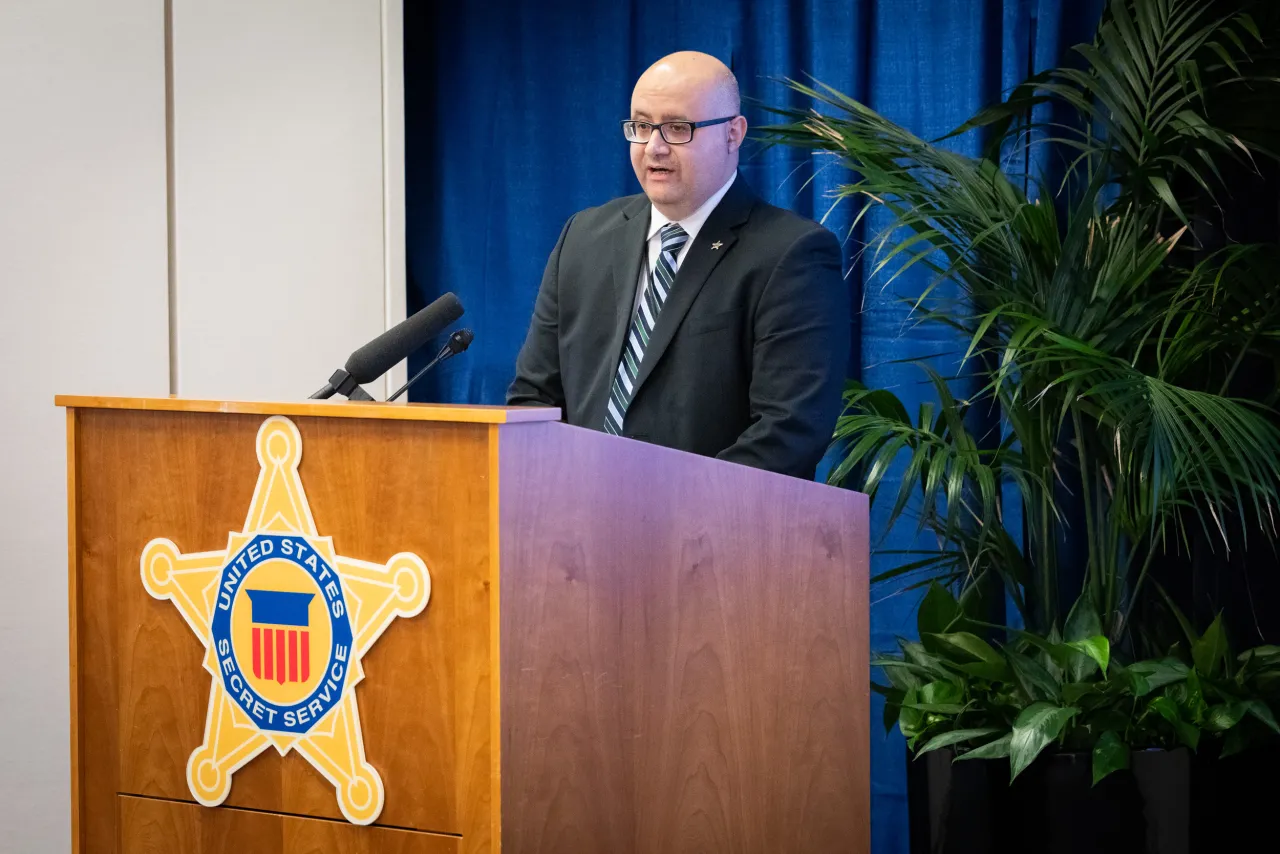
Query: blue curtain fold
[(511, 115)]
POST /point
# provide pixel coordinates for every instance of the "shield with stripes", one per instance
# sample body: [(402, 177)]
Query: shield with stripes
[(281, 635)]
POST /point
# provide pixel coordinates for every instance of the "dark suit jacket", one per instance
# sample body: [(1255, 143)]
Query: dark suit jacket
[(748, 357)]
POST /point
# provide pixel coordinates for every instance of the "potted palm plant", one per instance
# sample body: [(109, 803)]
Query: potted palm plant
[(1110, 334)]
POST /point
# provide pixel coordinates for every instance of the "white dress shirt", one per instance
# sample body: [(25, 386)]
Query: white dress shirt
[(692, 224)]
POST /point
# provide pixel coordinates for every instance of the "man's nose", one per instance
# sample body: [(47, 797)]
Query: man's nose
[(656, 144)]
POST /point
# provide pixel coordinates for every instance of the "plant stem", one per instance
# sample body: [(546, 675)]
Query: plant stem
[(1106, 544), (1046, 594), (1114, 582), (1049, 542), (1092, 568), (1222, 392), (1133, 594)]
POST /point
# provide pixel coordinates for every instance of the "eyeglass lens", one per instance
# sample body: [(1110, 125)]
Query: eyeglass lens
[(673, 132)]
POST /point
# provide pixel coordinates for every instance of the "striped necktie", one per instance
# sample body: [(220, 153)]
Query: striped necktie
[(646, 318)]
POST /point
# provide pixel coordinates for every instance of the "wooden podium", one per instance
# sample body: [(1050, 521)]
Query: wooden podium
[(627, 649)]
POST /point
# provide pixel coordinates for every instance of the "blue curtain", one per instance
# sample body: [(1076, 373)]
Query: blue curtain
[(512, 113)]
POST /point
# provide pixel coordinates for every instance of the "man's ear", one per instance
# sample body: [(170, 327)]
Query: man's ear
[(737, 132)]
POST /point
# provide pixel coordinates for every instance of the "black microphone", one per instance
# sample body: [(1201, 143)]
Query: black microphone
[(382, 353), (457, 342)]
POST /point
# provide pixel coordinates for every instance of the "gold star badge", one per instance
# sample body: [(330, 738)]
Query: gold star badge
[(284, 621), (716, 245)]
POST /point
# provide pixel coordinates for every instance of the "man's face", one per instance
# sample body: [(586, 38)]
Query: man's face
[(679, 178)]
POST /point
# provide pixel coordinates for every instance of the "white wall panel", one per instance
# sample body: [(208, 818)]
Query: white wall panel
[(82, 310), (279, 201), (289, 252)]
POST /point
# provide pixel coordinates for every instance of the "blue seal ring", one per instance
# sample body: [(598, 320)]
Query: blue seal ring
[(300, 717)]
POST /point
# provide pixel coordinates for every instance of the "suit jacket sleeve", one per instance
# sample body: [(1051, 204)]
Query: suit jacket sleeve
[(799, 358), (537, 381)]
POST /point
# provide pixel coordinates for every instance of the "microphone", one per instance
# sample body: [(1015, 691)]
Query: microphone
[(382, 353), (457, 342)]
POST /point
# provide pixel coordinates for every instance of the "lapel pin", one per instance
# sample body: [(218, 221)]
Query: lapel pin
[(716, 245)]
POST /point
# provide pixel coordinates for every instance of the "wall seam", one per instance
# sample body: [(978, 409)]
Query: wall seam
[(175, 375)]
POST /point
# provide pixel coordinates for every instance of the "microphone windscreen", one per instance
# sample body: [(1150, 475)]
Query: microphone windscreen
[(382, 353), (461, 340)]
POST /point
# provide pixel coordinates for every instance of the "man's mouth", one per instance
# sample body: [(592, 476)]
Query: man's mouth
[(659, 170)]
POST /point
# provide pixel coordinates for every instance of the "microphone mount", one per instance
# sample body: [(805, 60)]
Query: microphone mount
[(344, 384), (374, 359)]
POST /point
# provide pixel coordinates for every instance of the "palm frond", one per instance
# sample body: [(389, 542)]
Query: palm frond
[(1143, 113), (1108, 340)]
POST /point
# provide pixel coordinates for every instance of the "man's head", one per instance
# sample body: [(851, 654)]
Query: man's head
[(687, 86)]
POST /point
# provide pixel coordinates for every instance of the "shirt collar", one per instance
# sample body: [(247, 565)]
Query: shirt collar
[(693, 223)]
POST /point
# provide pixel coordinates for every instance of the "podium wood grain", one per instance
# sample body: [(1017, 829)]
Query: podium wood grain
[(628, 650), (684, 661), (425, 704), (149, 826)]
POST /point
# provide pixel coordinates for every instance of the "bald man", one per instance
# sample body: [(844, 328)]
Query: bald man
[(694, 315)]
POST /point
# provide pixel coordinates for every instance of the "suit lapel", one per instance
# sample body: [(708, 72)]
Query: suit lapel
[(719, 231), (625, 255)]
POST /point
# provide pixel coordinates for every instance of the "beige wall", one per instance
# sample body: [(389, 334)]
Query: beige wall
[(286, 125), (278, 168)]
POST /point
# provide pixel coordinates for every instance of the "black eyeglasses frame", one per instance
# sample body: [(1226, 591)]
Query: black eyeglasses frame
[(661, 128)]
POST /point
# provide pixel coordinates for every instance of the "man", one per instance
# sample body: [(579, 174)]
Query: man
[(694, 316)]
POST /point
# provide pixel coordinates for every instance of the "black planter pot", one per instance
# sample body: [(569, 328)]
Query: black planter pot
[(1052, 808)]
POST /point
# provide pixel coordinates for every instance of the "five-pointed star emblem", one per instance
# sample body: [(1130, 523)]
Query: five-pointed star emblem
[(716, 245), (284, 620)]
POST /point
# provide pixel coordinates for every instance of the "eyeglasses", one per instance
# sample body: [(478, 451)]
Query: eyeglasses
[(673, 133)]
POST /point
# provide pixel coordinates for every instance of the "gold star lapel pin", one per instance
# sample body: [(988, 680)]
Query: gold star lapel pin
[(716, 245)]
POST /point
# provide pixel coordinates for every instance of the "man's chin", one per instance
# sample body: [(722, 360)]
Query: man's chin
[(661, 194)]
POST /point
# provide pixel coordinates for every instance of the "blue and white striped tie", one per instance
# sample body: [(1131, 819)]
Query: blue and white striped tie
[(642, 324)]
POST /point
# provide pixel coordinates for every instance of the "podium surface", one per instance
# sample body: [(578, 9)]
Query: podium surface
[(625, 649)]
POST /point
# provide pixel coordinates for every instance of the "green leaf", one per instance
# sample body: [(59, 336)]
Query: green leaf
[(938, 610), (910, 720), (1110, 754), (1259, 658), (1262, 712), (1224, 716), (1036, 726), (1188, 733), (948, 709), (1210, 650), (1097, 648), (972, 654), (1108, 719), (1161, 186), (903, 675), (939, 698), (1147, 676), (1034, 679), (892, 710), (957, 736), (941, 692), (1235, 742), (997, 749), (1193, 706), (1266, 655), (1083, 626), (1050, 652), (1074, 692), (1082, 622), (917, 654), (1165, 707)]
